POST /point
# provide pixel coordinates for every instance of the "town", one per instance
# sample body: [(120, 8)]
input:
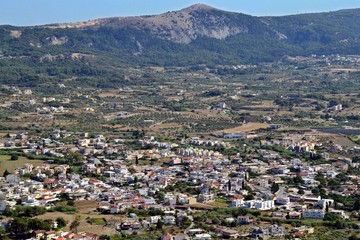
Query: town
[(235, 160)]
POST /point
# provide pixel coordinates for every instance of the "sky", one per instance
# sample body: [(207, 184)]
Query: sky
[(38, 12)]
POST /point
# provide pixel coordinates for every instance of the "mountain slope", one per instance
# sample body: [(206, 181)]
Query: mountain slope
[(182, 26), (196, 35)]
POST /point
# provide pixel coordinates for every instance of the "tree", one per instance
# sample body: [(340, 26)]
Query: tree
[(6, 172), (18, 226), (38, 224), (275, 187), (3, 234), (74, 225), (301, 191), (14, 157), (74, 157), (356, 206), (136, 160), (61, 222), (159, 224), (70, 202), (104, 237), (354, 237), (332, 217), (64, 196), (185, 223), (298, 180), (321, 178), (342, 177), (249, 197)]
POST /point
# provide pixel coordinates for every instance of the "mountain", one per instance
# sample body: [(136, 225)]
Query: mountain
[(182, 26), (199, 34)]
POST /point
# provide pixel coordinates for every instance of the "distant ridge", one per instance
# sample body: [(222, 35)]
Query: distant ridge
[(198, 34)]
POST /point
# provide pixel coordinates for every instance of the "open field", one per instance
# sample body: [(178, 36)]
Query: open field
[(86, 206), (344, 70), (109, 94), (342, 140), (6, 163), (84, 225), (245, 128), (217, 204), (87, 212), (165, 126), (205, 206)]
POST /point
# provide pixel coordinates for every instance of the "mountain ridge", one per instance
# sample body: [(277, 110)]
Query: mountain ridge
[(195, 35), (178, 26)]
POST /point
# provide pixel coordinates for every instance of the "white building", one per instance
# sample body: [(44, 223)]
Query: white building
[(169, 220), (340, 213), (259, 204), (236, 202)]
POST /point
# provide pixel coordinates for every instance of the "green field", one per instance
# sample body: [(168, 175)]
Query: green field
[(6, 163)]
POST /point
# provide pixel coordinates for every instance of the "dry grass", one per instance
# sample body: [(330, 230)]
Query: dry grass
[(165, 126), (245, 128), (113, 93), (158, 69), (86, 206), (6, 163), (84, 225), (217, 204), (344, 70), (265, 104), (202, 206), (343, 141)]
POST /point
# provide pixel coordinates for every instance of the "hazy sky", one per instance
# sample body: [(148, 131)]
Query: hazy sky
[(35, 12)]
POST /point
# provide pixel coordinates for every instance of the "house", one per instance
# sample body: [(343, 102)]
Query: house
[(294, 215), (259, 233), (228, 233), (13, 179), (181, 236), (39, 234), (4, 222), (340, 213), (279, 215), (169, 220), (80, 236), (313, 213), (167, 236), (282, 201), (276, 231), (50, 182), (234, 135), (324, 202), (3, 205), (236, 202), (229, 220), (192, 232), (155, 219), (271, 231), (49, 235), (243, 219), (258, 204), (202, 236)]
